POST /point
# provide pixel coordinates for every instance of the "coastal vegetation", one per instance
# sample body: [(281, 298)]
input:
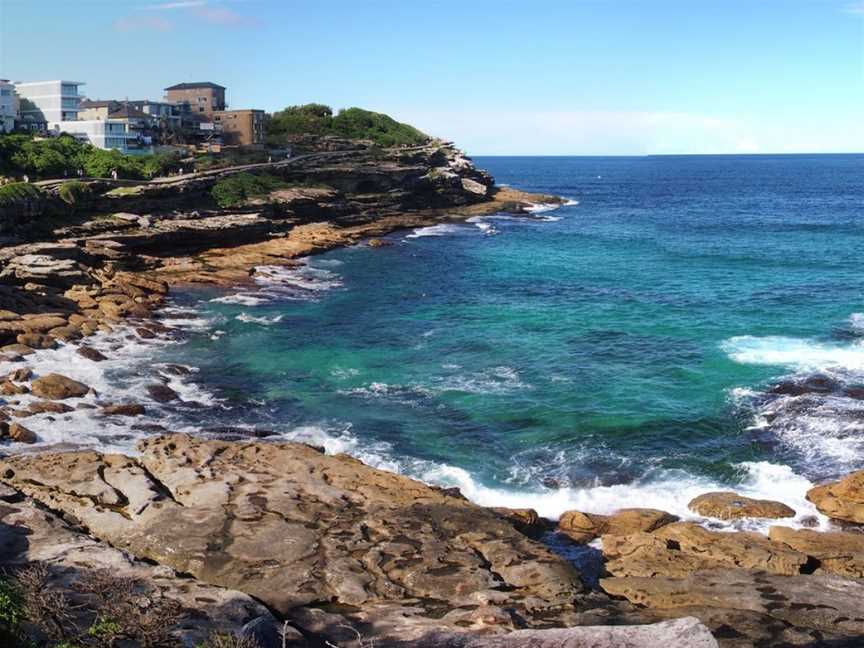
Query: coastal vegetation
[(19, 191), (349, 123), (236, 189), (63, 156)]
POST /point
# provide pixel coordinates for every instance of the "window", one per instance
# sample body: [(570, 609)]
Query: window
[(5, 93), (67, 89), (70, 103)]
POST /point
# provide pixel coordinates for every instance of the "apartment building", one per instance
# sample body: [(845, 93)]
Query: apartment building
[(203, 97), (101, 133), (241, 127), (44, 102), (8, 106)]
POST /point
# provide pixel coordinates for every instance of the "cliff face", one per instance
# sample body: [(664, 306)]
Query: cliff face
[(367, 181)]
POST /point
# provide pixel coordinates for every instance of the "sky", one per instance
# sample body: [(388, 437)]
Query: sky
[(509, 77)]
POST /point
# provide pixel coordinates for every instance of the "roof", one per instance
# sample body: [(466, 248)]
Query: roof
[(98, 103), (128, 112), (26, 83), (196, 84)]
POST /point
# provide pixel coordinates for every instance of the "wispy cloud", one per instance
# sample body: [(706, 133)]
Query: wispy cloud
[(206, 11), (855, 8), (169, 6), (154, 23), (223, 16)]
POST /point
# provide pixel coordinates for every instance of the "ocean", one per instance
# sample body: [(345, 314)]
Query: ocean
[(683, 324)]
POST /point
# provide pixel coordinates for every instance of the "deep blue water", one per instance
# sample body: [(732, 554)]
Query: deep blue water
[(610, 352)]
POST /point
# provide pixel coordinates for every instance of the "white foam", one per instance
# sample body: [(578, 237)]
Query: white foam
[(797, 353), (444, 229), (263, 321), (244, 299)]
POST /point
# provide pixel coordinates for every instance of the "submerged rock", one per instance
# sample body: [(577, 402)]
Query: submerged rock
[(726, 505), (91, 354), (162, 393)]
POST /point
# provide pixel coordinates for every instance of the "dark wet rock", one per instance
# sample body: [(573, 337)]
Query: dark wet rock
[(153, 428), (58, 387), (524, 520), (42, 407), (91, 354), (175, 370), (817, 384), (236, 433), (161, 393), (123, 409)]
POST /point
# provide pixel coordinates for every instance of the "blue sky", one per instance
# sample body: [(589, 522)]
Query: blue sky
[(506, 77)]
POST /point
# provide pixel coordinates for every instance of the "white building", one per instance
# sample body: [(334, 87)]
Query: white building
[(8, 106), (45, 102), (101, 133)]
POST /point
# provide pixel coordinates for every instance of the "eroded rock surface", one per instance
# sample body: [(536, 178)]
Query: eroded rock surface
[(584, 527), (747, 608), (843, 499), (838, 552), (31, 536), (296, 528), (684, 547)]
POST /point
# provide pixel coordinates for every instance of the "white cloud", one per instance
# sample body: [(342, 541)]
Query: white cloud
[(223, 16)]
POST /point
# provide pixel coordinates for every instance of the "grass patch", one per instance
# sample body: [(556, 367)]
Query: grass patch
[(19, 192)]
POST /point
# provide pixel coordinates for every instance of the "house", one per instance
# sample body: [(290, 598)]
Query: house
[(241, 127), (8, 106), (203, 97), (101, 133), (43, 102)]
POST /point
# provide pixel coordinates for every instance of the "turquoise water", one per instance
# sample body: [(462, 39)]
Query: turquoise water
[(615, 349)]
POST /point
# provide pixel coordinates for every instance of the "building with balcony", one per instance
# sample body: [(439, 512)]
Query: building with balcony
[(203, 97), (8, 106), (44, 102), (101, 133), (241, 127)]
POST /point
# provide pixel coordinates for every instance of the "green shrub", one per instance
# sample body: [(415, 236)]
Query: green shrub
[(351, 123), (11, 608), (75, 192), (236, 189), (19, 191)]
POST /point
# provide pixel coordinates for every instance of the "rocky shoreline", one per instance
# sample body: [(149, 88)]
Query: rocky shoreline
[(280, 542)]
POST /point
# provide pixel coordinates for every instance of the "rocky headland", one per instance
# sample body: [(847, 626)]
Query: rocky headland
[(278, 544)]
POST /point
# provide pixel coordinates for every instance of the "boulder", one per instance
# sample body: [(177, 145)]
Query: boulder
[(524, 520), (91, 354), (841, 500), (837, 552), (42, 323), (584, 527), (21, 434), (161, 393), (21, 374), (123, 409), (682, 548), (8, 388), (293, 527), (65, 333), (17, 349), (726, 505), (58, 387), (41, 407), (36, 340)]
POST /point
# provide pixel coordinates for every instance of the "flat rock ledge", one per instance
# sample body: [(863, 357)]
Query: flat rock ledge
[(337, 548)]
